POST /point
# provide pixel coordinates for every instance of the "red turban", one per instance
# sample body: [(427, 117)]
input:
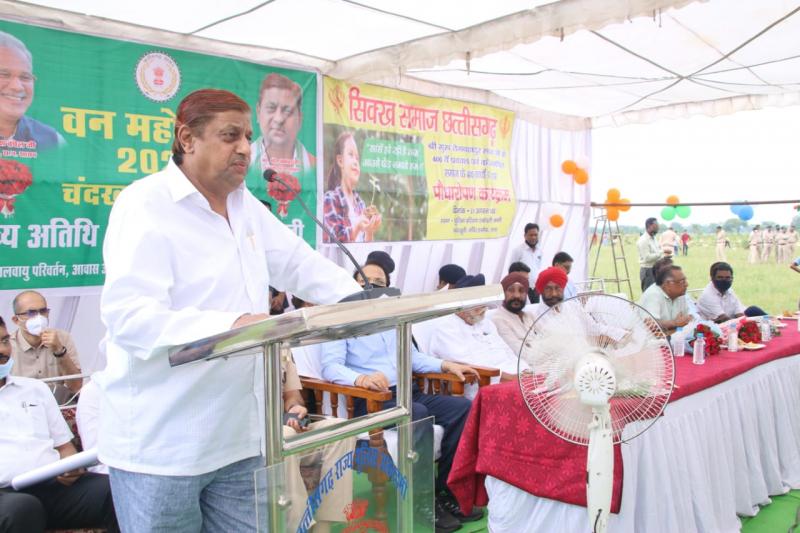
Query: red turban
[(515, 277), (555, 274)]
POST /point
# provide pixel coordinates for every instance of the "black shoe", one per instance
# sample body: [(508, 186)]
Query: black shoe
[(443, 520), (450, 504)]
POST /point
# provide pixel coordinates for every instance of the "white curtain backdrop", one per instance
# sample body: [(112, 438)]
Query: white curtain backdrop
[(539, 184)]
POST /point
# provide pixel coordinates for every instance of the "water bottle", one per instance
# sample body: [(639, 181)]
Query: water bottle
[(733, 340), (766, 332), (679, 342), (699, 354)]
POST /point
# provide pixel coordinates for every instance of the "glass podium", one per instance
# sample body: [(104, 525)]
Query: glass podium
[(370, 473)]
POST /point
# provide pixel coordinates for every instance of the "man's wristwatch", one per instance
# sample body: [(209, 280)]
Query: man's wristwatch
[(61, 353)]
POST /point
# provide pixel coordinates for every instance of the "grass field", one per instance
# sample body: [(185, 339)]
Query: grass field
[(771, 286)]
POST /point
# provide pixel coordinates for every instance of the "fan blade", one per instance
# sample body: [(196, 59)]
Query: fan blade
[(599, 469)]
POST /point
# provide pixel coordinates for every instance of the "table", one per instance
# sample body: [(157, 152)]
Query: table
[(729, 438)]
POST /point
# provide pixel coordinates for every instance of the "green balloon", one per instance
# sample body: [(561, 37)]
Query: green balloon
[(668, 213), (683, 211)]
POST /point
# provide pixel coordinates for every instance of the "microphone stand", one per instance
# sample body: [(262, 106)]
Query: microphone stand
[(369, 291)]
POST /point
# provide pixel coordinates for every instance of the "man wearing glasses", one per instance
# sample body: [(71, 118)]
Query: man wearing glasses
[(16, 95), (666, 300), (41, 351)]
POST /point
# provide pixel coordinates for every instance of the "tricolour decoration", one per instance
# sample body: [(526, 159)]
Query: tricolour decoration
[(675, 208)]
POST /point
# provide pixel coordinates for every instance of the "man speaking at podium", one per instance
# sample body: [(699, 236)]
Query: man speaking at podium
[(189, 253)]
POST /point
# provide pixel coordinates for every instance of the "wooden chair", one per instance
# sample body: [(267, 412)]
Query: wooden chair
[(441, 383)]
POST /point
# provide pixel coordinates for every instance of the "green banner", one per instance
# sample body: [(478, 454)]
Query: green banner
[(82, 117)]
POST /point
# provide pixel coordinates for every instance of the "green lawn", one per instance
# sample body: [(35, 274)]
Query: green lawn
[(773, 287)]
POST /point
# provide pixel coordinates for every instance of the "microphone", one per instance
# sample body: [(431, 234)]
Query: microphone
[(369, 291)]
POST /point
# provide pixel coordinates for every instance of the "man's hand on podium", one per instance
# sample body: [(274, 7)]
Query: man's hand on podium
[(375, 381), (301, 412), (457, 369), (247, 318)]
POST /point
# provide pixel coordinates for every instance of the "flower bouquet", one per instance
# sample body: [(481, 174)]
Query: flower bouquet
[(712, 335), (749, 332)]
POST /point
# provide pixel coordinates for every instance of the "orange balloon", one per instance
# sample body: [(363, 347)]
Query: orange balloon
[(672, 199), (613, 195), (625, 207), (569, 166), (613, 214), (556, 221), (581, 176)]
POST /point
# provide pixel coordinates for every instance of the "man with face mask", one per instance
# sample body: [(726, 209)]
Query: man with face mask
[(41, 351), (33, 433), (467, 337), (718, 302), (649, 252)]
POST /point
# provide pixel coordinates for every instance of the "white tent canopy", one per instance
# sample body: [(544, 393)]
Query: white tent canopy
[(612, 62)]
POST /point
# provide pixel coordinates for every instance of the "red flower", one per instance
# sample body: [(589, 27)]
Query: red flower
[(15, 177), (750, 332), (282, 194)]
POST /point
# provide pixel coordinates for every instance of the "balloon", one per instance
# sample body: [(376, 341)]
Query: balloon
[(569, 167), (735, 209), (683, 211), (581, 176), (556, 221), (625, 207), (746, 212), (613, 214), (672, 200), (668, 213), (613, 195)]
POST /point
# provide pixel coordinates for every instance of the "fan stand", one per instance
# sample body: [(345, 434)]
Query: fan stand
[(599, 469)]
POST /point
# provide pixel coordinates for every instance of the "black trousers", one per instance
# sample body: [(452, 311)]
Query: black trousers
[(86, 503), (450, 412), (647, 277)]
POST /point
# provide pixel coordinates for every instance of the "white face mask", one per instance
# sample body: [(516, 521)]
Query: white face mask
[(36, 325), (5, 369)]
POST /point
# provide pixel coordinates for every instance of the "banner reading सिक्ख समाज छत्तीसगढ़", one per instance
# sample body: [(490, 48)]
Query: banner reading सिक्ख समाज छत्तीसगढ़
[(404, 167), (81, 117)]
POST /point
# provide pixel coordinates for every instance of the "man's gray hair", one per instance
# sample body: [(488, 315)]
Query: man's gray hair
[(9, 41)]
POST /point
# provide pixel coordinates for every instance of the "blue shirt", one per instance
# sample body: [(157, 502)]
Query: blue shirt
[(343, 361)]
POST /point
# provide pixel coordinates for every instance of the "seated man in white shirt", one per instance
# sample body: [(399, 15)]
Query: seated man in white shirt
[(466, 337), (32, 434), (718, 302), (666, 299), (564, 261)]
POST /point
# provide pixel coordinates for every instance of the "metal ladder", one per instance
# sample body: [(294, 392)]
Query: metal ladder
[(611, 228)]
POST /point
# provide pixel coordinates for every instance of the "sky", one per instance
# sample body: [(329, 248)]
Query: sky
[(750, 155)]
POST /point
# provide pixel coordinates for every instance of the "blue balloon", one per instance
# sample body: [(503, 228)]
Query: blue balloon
[(745, 212), (736, 209)]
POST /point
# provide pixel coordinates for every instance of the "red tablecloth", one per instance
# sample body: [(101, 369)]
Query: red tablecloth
[(502, 438)]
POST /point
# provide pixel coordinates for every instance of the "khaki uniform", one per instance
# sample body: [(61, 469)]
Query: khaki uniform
[(754, 242), (318, 462), (721, 236), (781, 247), (768, 247)]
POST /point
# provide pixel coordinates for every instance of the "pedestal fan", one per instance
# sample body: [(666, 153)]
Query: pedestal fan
[(594, 364)]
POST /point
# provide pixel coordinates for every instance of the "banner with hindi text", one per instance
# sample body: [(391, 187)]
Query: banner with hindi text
[(81, 117), (404, 167)]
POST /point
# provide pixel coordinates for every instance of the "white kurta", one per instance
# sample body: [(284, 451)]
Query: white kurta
[(175, 272), (477, 344)]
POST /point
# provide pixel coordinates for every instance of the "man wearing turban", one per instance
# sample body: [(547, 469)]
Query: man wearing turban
[(512, 320), (449, 276)]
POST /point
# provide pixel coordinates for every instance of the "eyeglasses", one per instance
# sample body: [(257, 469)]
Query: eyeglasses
[(377, 282), (30, 313), (24, 77), (682, 281)]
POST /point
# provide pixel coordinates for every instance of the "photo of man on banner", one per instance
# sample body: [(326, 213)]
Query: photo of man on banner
[(16, 96)]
